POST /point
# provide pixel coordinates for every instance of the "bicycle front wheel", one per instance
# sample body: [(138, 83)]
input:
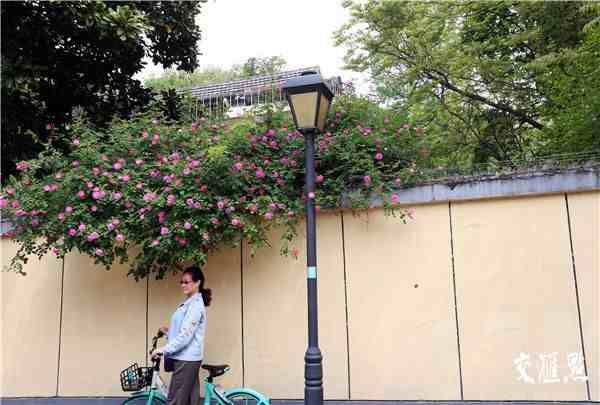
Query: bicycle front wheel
[(243, 398)]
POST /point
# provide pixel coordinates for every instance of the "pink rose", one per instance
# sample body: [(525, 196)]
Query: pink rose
[(120, 238), (92, 236), (75, 163), (395, 198), (235, 222), (269, 215), (164, 231), (311, 195), (260, 173), (76, 141), (22, 166), (68, 209), (99, 252), (187, 226), (378, 156), (319, 179), (72, 232), (82, 227)]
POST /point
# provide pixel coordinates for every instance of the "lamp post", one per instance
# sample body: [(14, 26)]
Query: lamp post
[(309, 99)]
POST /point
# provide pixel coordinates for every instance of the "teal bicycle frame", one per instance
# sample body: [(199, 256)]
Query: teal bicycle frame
[(215, 391)]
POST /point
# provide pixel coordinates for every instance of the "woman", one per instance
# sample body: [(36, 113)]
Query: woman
[(186, 339)]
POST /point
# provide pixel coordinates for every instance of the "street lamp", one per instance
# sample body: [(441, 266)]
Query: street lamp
[(309, 99)]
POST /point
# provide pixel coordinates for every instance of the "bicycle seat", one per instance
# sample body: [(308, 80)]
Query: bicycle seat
[(215, 371)]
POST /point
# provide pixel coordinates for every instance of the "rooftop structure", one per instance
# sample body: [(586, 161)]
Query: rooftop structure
[(235, 97)]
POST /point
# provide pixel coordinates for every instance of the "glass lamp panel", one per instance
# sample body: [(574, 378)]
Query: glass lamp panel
[(305, 109), (323, 109)]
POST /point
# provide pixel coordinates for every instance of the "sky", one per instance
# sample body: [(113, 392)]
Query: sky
[(301, 31)]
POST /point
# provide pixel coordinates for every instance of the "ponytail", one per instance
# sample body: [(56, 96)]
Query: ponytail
[(197, 275)]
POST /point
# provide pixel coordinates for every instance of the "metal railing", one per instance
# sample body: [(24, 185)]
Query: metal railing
[(216, 100)]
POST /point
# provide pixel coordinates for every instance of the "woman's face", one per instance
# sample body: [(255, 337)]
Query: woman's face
[(188, 285)]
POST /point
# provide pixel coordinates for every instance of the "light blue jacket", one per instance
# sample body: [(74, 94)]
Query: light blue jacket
[(186, 333)]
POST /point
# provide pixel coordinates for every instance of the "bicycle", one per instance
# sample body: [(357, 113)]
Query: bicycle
[(149, 388)]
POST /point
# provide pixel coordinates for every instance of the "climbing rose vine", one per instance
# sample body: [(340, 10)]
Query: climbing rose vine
[(156, 193)]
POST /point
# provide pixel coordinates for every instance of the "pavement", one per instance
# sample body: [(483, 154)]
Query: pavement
[(119, 400)]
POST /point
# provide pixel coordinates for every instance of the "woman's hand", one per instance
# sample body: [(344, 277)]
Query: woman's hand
[(158, 352)]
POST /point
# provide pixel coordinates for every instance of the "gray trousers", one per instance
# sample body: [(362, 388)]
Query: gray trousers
[(185, 385)]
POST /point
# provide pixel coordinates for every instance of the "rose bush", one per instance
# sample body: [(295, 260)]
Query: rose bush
[(174, 191)]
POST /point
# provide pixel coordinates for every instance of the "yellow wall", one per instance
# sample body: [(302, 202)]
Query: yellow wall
[(585, 223), (395, 307), (30, 325), (103, 327), (275, 315), (515, 293), (401, 306)]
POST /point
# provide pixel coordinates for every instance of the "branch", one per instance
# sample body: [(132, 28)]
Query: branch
[(443, 80)]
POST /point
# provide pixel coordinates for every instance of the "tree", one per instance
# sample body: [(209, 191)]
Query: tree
[(261, 66), (487, 71), (57, 56)]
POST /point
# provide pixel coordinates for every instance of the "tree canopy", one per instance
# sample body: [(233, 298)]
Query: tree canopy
[(493, 80), (57, 56)]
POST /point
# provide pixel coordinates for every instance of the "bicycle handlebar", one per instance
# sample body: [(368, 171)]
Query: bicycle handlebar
[(159, 334)]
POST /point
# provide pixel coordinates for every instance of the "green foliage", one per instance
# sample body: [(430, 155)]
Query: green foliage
[(174, 79), (493, 80), (261, 66), (175, 191), (57, 56)]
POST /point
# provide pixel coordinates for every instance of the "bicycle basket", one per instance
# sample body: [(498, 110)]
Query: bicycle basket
[(135, 378)]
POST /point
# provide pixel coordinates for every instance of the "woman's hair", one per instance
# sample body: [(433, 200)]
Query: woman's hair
[(197, 275)]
